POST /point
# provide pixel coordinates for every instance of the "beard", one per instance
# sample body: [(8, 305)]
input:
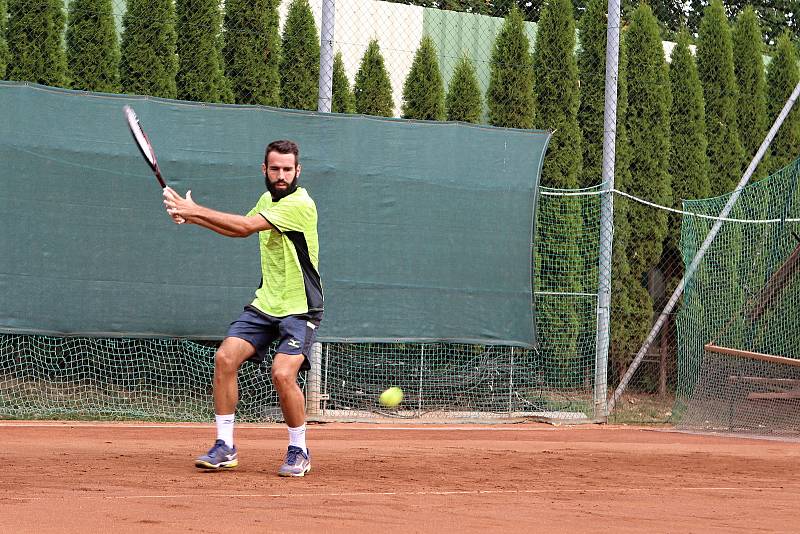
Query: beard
[(278, 194)]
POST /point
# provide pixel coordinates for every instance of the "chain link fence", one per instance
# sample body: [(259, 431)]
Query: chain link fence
[(671, 136)]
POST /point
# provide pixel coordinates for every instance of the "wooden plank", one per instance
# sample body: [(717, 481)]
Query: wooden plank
[(774, 286), (786, 382), (710, 347), (779, 395)]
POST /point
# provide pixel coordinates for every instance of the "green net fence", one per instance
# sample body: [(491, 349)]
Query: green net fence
[(739, 343), (171, 379)]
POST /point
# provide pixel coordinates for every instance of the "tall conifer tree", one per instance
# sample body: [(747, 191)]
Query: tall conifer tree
[(556, 94), (463, 102), (201, 74), (782, 77), (3, 43), (689, 167), (558, 261), (300, 58), (648, 124), (688, 162), (748, 62), (725, 151), (92, 48), (34, 38), (423, 91), (252, 51), (149, 61), (372, 88), (715, 67), (510, 94), (591, 61), (343, 99)]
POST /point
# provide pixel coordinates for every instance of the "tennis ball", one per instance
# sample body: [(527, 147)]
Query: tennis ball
[(391, 397)]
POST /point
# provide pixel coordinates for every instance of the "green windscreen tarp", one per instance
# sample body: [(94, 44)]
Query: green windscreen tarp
[(425, 228)]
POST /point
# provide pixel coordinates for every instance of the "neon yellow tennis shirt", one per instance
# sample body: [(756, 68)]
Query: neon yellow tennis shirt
[(290, 281)]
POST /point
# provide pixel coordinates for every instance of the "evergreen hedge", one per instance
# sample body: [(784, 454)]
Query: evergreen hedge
[(252, 51), (463, 101), (343, 99), (715, 67), (33, 36), (559, 263), (3, 43), (372, 88), (300, 52), (689, 167), (510, 94), (748, 63), (688, 162), (92, 48), (556, 94), (782, 77), (591, 61), (200, 66), (423, 91), (648, 127), (149, 61)]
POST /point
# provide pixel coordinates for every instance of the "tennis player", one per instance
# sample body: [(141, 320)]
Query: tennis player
[(287, 307)]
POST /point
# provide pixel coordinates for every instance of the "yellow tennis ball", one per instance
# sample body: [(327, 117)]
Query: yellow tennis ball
[(391, 397)]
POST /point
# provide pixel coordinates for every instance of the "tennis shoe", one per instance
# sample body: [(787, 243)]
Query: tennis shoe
[(297, 463), (219, 457)]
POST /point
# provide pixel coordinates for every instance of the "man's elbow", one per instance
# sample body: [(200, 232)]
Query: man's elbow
[(245, 229), (241, 231)]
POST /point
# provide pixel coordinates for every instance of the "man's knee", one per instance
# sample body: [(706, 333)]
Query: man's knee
[(283, 376), (225, 361)]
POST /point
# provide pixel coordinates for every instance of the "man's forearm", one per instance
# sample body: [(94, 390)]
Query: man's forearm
[(185, 210), (226, 224)]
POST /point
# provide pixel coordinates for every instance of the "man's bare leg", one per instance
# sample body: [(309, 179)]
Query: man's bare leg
[(229, 357), (293, 405), (284, 377)]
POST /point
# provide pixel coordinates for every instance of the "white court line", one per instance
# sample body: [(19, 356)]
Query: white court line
[(405, 493), (246, 426)]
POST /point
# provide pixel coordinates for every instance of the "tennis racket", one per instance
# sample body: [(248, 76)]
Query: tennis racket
[(143, 143)]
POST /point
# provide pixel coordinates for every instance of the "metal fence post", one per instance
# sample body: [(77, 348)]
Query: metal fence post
[(314, 382), (607, 213), (325, 97)]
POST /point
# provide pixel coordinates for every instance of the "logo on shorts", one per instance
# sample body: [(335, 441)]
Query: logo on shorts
[(294, 343)]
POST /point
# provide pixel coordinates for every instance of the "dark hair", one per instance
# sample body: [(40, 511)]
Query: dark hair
[(283, 146)]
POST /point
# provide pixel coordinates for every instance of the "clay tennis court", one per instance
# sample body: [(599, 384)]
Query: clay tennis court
[(119, 477)]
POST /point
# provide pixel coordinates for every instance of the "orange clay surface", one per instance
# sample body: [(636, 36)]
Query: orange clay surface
[(126, 477)]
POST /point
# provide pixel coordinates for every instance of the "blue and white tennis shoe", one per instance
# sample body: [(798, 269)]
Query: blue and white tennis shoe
[(219, 457), (297, 463)]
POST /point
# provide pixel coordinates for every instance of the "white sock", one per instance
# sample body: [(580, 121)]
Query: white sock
[(297, 437), (225, 428)]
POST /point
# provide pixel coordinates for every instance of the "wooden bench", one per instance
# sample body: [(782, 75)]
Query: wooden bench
[(771, 389)]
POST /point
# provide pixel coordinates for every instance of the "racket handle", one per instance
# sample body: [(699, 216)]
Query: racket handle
[(160, 179)]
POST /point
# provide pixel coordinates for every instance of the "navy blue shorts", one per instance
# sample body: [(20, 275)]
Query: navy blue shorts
[(294, 333)]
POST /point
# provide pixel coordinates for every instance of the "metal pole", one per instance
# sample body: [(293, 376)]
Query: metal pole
[(313, 381), (607, 213), (325, 96), (324, 100), (673, 300), (511, 383), (325, 377), (421, 377)]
